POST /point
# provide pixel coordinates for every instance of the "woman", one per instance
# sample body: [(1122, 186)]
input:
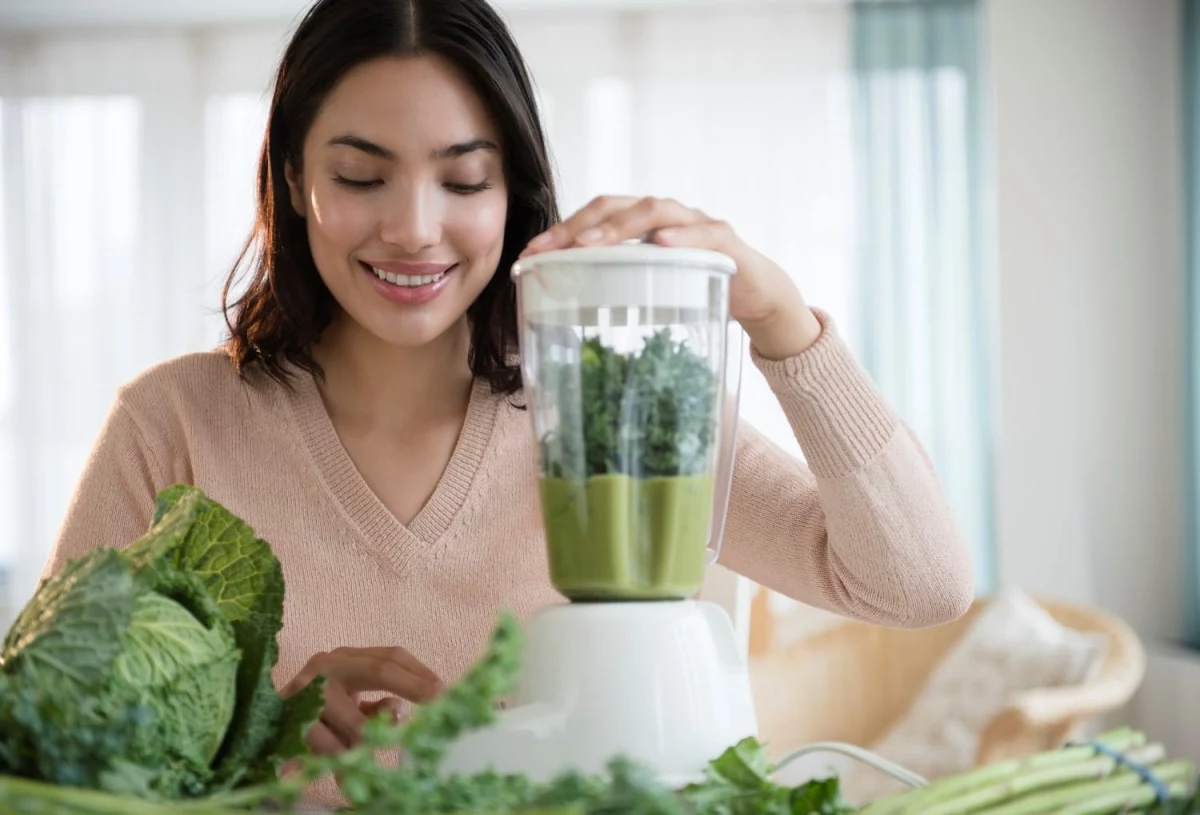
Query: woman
[(364, 415)]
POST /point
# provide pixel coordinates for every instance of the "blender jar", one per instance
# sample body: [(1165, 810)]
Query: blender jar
[(632, 370)]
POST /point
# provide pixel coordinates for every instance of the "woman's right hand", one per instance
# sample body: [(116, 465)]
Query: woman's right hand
[(351, 671)]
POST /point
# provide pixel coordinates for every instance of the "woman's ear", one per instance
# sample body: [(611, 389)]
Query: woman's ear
[(295, 188)]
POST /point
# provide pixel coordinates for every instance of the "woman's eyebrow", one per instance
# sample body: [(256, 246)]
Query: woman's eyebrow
[(359, 143), (379, 151), (462, 148)]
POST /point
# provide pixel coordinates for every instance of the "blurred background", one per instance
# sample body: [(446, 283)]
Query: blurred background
[(992, 198)]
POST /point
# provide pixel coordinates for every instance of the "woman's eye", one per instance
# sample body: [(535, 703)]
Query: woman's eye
[(468, 189), (357, 184)]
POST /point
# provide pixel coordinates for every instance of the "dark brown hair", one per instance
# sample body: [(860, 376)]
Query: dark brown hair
[(286, 305)]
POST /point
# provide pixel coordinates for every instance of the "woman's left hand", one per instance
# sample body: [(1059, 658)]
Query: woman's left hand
[(761, 295)]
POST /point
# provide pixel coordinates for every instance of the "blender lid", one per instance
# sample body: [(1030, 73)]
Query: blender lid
[(629, 254)]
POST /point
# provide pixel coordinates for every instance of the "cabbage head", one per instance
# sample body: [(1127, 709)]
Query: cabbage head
[(147, 670)]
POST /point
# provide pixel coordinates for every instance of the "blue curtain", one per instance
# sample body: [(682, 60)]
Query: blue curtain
[(924, 265), (1191, 150)]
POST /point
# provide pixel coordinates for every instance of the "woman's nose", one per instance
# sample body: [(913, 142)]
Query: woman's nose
[(413, 221)]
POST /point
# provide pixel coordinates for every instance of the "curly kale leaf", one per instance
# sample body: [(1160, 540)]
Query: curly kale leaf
[(417, 786), (648, 414), (737, 783), (468, 704)]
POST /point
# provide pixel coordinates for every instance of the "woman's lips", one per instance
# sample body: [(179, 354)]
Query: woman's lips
[(408, 283)]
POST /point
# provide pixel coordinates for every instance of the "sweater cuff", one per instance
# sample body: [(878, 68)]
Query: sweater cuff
[(839, 417)]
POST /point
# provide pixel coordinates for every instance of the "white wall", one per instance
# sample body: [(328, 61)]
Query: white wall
[(1165, 707), (1088, 178)]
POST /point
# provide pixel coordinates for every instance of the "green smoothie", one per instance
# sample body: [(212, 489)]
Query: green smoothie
[(627, 468), (616, 537)]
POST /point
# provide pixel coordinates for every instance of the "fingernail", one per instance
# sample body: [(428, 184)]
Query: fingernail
[(541, 240), (666, 235), (395, 707), (591, 235)]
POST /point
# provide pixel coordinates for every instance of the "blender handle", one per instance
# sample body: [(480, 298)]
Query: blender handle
[(731, 392)]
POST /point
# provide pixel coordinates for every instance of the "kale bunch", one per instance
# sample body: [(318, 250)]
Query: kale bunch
[(653, 413)]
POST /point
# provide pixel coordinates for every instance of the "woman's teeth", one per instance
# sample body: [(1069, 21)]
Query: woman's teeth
[(406, 280)]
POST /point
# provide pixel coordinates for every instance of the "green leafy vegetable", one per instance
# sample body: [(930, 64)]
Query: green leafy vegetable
[(737, 782), (137, 682), (179, 658), (146, 672), (744, 765), (245, 579), (647, 414)]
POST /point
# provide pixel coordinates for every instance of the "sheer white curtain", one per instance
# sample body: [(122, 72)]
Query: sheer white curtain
[(922, 174), (128, 169), (127, 179)]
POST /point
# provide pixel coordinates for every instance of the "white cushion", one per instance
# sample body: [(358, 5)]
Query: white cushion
[(1013, 645)]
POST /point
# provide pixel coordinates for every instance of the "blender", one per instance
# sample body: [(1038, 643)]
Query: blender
[(632, 372)]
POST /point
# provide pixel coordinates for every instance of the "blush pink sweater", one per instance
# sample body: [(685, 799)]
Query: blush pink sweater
[(863, 530)]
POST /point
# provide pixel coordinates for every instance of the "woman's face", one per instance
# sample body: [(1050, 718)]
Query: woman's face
[(403, 191)]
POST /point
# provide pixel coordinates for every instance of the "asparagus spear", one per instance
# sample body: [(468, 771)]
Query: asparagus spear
[(946, 789), (1135, 800), (1001, 783), (1124, 785), (1052, 800), (1090, 771)]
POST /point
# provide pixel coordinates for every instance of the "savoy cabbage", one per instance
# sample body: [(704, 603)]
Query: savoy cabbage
[(147, 671)]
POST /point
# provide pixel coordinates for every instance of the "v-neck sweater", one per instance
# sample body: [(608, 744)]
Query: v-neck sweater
[(398, 543), (859, 527)]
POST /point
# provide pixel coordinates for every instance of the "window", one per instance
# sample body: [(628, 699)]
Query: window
[(71, 301)]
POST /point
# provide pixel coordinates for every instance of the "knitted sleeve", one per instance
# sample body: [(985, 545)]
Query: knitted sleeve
[(864, 528), (113, 501)]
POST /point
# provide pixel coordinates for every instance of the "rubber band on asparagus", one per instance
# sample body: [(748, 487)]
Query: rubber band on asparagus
[(1147, 774)]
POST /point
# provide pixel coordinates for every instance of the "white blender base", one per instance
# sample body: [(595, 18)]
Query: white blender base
[(661, 683)]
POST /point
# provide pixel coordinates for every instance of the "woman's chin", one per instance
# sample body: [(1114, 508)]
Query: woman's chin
[(419, 332)]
